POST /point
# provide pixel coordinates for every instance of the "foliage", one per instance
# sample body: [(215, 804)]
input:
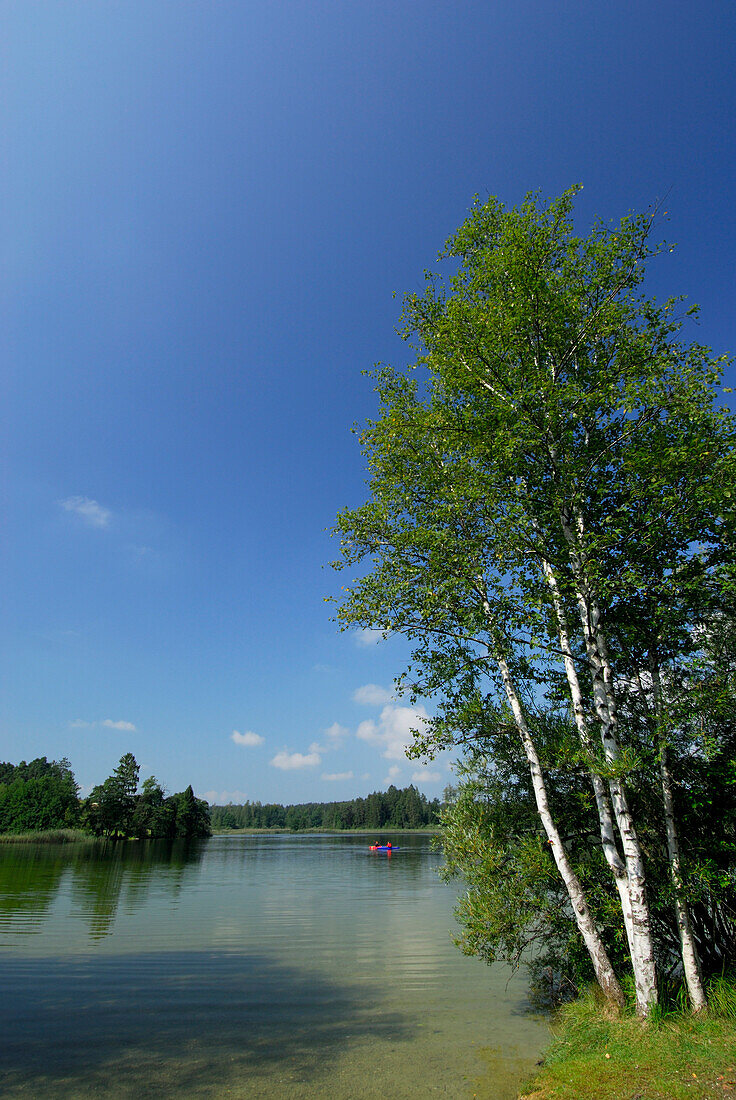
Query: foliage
[(514, 906), (111, 805), (42, 794), (41, 799), (117, 808), (551, 524), (395, 808)]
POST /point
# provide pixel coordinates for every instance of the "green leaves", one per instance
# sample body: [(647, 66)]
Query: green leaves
[(555, 418)]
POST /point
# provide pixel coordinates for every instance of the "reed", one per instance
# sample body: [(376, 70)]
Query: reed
[(48, 836)]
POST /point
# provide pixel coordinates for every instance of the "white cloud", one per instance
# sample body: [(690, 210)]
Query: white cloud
[(128, 727), (393, 773), (248, 738), (368, 637), (80, 724), (372, 695), (141, 553), (88, 510), (336, 734), (334, 777), (392, 732), (425, 775), (289, 761), (221, 798)]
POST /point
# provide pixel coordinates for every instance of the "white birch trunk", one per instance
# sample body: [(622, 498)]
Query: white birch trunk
[(642, 949), (604, 972), (688, 949), (602, 799)]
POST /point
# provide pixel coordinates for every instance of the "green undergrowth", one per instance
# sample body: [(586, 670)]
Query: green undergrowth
[(676, 1056), (47, 836)]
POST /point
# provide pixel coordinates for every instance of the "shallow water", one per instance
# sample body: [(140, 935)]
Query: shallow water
[(248, 966)]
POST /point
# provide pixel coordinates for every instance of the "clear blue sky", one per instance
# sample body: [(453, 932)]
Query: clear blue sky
[(206, 210)]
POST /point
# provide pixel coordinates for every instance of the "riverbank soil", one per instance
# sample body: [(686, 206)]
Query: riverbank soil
[(677, 1057)]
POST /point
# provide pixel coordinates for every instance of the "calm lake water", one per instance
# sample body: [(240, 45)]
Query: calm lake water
[(248, 966)]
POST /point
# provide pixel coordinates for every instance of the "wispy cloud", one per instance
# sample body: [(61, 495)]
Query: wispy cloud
[(108, 723), (248, 738), (290, 761), (393, 731), (393, 773), (372, 695), (334, 737), (221, 798), (335, 777), (425, 775), (368, 637), (93, 514), (141, 553)]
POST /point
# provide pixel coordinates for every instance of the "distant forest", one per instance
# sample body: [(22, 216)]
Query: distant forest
[(43, 796), (391, 809)]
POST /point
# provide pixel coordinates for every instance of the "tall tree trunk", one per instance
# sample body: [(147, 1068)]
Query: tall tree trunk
[(604, 972), (642, 950), (688, 949), (600, 790)]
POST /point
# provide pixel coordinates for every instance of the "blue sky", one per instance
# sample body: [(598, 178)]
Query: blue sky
[(206, 210)]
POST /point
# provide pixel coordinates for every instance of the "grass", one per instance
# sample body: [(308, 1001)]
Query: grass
[(47, 836), (676, 1056)]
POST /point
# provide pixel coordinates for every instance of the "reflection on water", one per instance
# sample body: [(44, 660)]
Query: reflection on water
[(279, 966), (95, 876)]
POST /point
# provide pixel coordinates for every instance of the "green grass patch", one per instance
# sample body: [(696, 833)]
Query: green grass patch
[(674, 1057), (48, 836)]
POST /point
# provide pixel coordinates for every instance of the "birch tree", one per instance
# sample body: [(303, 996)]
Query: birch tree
[(532, 482)]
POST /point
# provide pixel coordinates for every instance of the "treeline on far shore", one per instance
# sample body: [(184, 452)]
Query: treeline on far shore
[(395, 808), (43, 796)]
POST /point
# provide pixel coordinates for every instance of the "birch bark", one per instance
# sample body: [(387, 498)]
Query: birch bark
[(602, 967), (642, 949), (688, 949), (602, 798)]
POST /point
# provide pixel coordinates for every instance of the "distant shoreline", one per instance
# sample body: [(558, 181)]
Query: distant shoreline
[(426, 830), (77, 836)]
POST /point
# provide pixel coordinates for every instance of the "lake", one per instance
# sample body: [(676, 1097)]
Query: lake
[(280, 966)]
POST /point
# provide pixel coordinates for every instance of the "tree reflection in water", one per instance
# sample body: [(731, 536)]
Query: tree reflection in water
[(99, 875)]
